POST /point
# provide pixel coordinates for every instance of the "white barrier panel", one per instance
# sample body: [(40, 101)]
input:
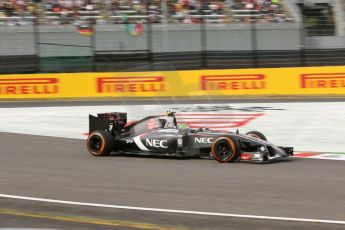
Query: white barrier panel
[(311, 126)]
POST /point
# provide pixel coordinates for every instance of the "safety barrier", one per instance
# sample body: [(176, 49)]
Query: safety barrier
[(235, 82)]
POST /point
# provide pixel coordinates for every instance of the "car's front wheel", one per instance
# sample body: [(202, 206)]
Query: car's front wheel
[(100, 143), (225, 149)]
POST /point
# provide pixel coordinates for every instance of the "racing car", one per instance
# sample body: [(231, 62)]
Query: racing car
[(161, 135)]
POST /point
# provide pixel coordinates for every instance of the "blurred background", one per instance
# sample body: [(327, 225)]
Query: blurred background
[(44, 118), (139, 35)]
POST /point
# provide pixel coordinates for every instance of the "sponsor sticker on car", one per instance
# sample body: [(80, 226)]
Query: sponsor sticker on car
[(156, 143), (203, 140)]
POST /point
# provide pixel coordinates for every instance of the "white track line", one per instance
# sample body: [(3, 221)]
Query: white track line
[(173, 210)]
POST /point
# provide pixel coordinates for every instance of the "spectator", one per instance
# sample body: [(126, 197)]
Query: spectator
[(58, 12)]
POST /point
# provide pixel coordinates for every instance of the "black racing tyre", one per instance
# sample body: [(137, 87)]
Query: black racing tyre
[(100, 143), (225, 149), (257, 135)]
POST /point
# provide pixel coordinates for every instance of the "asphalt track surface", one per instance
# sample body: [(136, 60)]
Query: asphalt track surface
[(62, 169), (59, 168)]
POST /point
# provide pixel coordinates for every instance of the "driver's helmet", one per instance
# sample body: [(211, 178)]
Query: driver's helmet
[(170, 113), (170, 120)]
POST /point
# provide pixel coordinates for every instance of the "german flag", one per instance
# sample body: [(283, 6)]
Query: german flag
[(85, 30)]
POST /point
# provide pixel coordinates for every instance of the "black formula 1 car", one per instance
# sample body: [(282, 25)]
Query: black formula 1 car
[(160, 135)]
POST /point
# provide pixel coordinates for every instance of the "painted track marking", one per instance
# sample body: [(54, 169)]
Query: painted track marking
[(278, 218), (86, 220), (320, 156)]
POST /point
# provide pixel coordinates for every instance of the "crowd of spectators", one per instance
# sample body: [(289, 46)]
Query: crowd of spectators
[(135, 10), (57, 12), (260, 10), (192, 11), (16, 12)]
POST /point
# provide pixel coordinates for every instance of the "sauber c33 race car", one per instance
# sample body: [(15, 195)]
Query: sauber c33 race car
[(160, 135)]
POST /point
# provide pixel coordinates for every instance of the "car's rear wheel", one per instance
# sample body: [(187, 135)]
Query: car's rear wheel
[(257, 135), (100, 143), (225, 149)]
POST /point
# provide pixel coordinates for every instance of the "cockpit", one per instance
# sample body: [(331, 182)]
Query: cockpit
[(153, 122)]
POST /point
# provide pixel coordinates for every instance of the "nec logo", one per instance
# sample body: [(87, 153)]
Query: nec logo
[(130, 84), (203, 140), (13, 86), (323, 80), (157, 143), (233, 82)]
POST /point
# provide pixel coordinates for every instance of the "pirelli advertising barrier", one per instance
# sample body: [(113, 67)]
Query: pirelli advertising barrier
[(234, 82)]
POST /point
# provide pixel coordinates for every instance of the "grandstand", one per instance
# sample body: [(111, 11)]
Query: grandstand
[(127, 35), (60, 12)]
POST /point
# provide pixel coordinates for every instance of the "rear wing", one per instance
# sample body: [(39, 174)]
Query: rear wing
[(114, 122)]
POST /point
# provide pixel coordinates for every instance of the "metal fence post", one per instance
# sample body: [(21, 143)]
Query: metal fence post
[(93, 45), (149, 44), (302, 41), (203, 41), (37, 40), (149, 36), (254, 38)]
